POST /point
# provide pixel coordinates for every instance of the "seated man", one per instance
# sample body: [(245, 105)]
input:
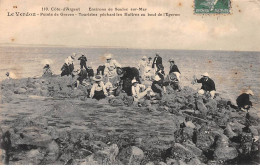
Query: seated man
[(243, 101), (47, 71), (83, 75), (157, 87), (208, 85), (98, 90), (172, 80), (138, 90)]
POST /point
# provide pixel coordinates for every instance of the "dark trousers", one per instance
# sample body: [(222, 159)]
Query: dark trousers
[(99, 95)]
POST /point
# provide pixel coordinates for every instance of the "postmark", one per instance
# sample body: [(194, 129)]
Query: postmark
[(212, 6)]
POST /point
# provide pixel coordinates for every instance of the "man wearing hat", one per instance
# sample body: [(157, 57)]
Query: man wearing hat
[(141, 65), (138, 90), (110, 66), (174, 69), (157, 61), (83, 60), (98, 90), (208, 85), (243, 101), (47, 71)]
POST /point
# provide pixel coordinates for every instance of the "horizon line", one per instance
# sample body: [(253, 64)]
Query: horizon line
[(122, 47)]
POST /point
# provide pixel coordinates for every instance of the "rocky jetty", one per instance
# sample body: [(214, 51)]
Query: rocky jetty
[(49, 121)]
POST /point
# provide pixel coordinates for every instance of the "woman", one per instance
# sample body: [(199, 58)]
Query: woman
[(98, 90), (138, 90)]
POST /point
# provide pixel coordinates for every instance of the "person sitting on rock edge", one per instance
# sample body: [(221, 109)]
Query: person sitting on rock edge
[(98, 90), (47, 71), (243, 100), (208, 85), (157, 87), (138, 90), (174, 69)]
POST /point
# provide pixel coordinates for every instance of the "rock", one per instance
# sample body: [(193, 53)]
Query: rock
[(183, 134), (193, 148), (225, 153), (253, 118), (179, 152), (20, 91), (206, 137), (107, 156), (190, 124), (201, 107), (149, 163), (161, 163), (170, 161), (194, 161), (236, 127), (212, 104), (97, 145), (253, 130), (229, 132), (131, 155)]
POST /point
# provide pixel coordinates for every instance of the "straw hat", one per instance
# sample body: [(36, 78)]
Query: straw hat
[(205, 74), (150, 58), (144, 57), (134, 81), (97, 78), (171, 60), (250, 92), (109, 56), (157, 78)]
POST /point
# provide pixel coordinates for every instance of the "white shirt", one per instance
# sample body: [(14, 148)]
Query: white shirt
[(97, 87), (111, 66), (136, 89)]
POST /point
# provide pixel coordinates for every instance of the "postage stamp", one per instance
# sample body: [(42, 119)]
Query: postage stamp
[(212, 6)]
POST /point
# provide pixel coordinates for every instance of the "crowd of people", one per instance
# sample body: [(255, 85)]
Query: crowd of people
[(146, 81)]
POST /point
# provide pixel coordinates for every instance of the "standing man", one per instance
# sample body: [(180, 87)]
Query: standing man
[(83, 61), (208, 85), (156, 62)]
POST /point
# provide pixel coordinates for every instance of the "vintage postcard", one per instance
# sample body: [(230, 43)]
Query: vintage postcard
[(129, 82)]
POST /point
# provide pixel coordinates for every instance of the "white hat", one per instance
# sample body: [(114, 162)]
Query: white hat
[(157, 78), (250, 92), (205, 74), (144, 57), (108, 56), (134, 81), (97, 78)]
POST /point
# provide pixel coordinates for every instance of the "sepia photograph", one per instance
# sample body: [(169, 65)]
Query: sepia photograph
[(129, 82)]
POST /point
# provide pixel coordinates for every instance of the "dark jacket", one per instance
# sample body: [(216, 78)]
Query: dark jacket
[(243, 100), (82, 59), (155, 88), (174, 68), (207, 85), (157, 61)]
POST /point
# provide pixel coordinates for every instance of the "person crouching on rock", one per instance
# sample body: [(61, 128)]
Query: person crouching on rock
[(98, 90), (138, 90), (158, 88), (47, 71), (208, 85), (243, 100)]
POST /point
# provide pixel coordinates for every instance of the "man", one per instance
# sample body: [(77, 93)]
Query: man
[(157, 61), (47, 71), (83, 61), (157, 87), (243, 101), (138, 90), (174, 69), (110, 66), (208, 85)]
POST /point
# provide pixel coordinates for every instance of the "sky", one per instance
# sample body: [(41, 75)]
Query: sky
[(238, 31)]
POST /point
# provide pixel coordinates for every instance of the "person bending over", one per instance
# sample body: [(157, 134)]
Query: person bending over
[(208, 85)]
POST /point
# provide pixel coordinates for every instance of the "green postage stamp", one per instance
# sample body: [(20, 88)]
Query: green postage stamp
[(212, 6)]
